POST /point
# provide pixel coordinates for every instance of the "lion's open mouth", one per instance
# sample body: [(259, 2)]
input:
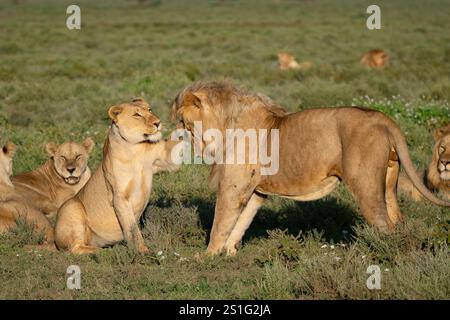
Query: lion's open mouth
[(72, 180)]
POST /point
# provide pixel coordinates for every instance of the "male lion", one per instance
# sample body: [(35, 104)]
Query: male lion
[(59, 179), (12, 205), (437, 176), (318, 148), (376, 58), (107, 209)]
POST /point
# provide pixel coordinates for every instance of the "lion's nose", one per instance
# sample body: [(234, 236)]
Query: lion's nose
[(446, 164), (71, 170), (156, 123)]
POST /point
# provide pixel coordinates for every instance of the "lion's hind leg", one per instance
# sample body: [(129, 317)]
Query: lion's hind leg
[(81, 249), (365, 176), (391, 191), (72, 231)]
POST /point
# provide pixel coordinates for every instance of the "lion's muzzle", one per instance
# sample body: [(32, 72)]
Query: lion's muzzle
[(444, 169), (154, 137), (72, 180)]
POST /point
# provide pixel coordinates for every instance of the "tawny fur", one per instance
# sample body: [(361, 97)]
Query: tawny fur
[(287, 61), (108, 208), (52, 184), (376, 58), (13, 206), (437, 175), (318, 148)]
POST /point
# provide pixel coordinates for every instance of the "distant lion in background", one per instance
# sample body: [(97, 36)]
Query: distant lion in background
[(376, 58), (59, 179), (287, 61), (437, 176), (12, 205)]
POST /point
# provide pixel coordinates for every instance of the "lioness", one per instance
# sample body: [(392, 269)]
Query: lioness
[(59, 179), (287, 61), (12, 205), (317, 149), (376, 58), (437, 176), (108, 207)]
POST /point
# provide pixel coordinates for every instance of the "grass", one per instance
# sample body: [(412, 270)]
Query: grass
[(56, 85)]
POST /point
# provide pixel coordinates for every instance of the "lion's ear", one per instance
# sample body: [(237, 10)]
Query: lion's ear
[(9, 149), (114, 111), (141, 102), (193, 99), (51, 148), (88, 144)]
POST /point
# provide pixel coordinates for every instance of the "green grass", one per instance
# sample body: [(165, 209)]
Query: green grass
[(57, 84)]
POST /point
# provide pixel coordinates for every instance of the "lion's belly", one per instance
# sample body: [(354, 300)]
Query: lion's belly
[(304, 193), (309, 158)]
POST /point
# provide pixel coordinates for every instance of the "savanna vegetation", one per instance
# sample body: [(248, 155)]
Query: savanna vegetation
[(56, 85)]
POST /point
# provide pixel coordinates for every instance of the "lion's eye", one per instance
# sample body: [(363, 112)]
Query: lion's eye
[(137, 115), (78, 157), (62, 158), (441, 149)]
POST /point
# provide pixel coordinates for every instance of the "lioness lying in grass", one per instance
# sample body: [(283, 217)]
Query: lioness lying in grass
[(12, 205), (59, 179)]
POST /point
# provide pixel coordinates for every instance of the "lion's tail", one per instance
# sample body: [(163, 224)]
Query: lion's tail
[(402, 151)]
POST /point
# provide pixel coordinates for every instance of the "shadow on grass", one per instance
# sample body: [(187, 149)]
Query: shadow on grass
[(333, 220)]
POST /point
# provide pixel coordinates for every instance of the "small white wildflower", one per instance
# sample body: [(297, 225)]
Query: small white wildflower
[(324, 246), (163, 257), (176, 254), (363, 256), (183, 259), (332, 247), (159, 253), (337, 258), (17, 255), (386, 269)]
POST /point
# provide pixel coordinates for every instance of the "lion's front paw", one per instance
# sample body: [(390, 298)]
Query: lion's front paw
[(143, 249), (231, 251), (213, 251)]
